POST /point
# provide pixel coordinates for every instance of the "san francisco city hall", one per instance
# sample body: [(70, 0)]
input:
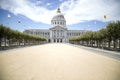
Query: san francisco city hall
[(58, 32)]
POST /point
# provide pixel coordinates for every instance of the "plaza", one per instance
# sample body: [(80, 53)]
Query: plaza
[(57, 61)]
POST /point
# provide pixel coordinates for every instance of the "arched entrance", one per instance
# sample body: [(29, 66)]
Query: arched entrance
[(57, 40), (49, 40), (61, 40)]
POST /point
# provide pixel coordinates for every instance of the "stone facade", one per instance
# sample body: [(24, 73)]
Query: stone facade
[(58, 32)]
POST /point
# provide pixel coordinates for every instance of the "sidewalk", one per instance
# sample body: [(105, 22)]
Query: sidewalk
[(111, 54)]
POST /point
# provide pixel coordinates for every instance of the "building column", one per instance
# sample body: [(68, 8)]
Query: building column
[(56, 40), (52, 40), (50, 34)]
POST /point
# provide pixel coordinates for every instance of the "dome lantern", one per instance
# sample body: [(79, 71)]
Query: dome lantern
[(58, 10)]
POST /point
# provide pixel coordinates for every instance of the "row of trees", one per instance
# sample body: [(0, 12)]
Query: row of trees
[(108, 37), (9, 38)]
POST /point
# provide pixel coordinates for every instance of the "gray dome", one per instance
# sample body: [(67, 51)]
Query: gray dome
[(58, 19), (58, 16)]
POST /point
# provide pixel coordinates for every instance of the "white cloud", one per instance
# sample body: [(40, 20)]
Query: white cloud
[(28, 9), (60, 0), (38, 2), (48, 4), (75, 11), (80, 10)]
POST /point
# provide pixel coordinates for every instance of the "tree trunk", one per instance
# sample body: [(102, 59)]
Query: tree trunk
[(0, 42), (114, 44), (119, 43), (103, 45), (9, 43), (92, 43), (19, 43), (5, 42), (97, 43), (87, 43), (10, 40), (82, 42), (109, 44), (24, 42)]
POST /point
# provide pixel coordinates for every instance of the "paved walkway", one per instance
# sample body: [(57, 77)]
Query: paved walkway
[(111, 54), (56, 62)]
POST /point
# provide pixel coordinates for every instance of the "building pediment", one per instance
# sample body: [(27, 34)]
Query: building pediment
[(58, 28)]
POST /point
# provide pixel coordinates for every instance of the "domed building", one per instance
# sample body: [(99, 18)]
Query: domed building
[(58, 33)]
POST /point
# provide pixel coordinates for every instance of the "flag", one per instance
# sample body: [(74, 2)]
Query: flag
[(105, 16)]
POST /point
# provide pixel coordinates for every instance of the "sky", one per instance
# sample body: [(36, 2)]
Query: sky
[(79, 14)]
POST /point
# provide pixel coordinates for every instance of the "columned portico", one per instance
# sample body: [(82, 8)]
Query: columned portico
[(57, 40)]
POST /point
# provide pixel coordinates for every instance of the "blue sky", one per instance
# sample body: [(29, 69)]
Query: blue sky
[(79, 14)]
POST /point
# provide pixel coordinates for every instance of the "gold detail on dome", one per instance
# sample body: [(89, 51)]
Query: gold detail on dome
[(58, 10)]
